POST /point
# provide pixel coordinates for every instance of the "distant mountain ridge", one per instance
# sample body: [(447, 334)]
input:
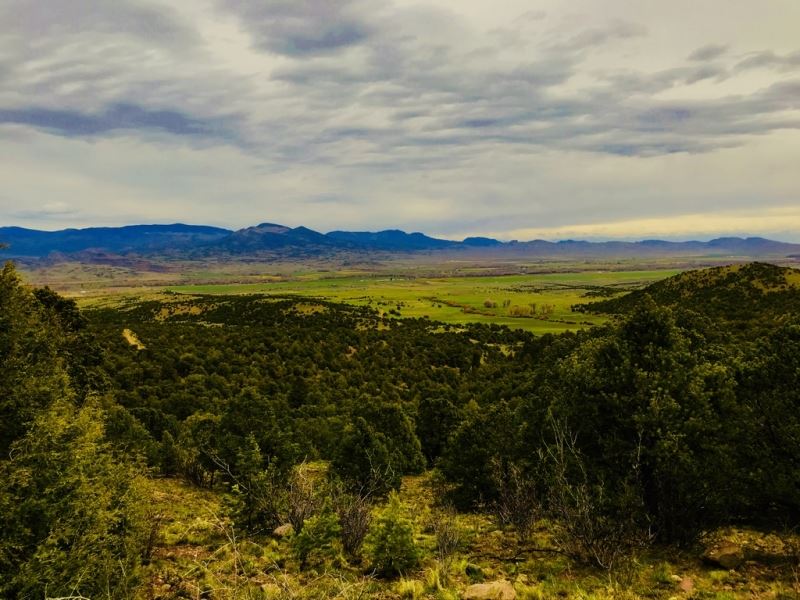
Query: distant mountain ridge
[(130, 238), (391, 239), (273, 239)]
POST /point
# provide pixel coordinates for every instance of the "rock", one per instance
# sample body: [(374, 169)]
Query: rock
[(496, 590), (283, 531), (686, 585), (726, 555), (769, 550)]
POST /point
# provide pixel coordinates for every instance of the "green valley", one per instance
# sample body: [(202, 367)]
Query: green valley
[(538, 303)]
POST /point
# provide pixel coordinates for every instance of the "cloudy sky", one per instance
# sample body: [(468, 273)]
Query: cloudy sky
[(511, 118)]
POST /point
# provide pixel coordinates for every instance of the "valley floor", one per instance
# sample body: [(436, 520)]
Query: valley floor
[(539, 303)]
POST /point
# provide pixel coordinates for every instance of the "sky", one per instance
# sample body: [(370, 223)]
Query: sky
[(590, 119)]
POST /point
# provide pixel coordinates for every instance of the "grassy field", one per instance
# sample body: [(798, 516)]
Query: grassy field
[(539, 303)]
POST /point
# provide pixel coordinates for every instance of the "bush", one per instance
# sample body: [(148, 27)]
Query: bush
[(303, 495), (517, 502), (448, 537), (258, 502), (650, 397), (364, 461), (354, 511), (485, 433), (598, 524), (390, 542), (318, 542)]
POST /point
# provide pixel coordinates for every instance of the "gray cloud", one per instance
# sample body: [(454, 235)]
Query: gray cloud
[(768, 59), (446, 102), (709, 52), (48, 212), (36, 20), (307, 28), (115, 117), (92, 68), (626, 83), (516, 106), (431, 92), (599, 36), (706, 72)]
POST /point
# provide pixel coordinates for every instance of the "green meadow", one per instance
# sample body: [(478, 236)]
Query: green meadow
[(539, 303)]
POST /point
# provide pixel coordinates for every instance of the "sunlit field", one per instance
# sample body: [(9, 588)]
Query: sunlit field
[(537, 303)]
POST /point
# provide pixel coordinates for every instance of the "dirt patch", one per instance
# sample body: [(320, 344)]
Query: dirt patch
[(178, 309), (303, 308), (132, 339)]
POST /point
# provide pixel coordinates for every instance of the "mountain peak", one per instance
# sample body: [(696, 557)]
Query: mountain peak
[(481, 241), (268, 228)]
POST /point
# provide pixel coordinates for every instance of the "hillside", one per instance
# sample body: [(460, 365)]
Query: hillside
[(732, 293), (271, 237)]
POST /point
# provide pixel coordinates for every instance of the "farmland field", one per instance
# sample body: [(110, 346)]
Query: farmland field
[(539, 303)]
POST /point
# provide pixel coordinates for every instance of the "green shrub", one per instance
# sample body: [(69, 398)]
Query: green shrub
[(390, 542), (258, 499), (318, 542)]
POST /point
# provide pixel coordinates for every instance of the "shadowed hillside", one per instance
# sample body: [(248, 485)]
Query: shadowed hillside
[(750, 292)]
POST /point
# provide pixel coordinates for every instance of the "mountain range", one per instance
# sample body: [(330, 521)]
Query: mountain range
[(269, 239)]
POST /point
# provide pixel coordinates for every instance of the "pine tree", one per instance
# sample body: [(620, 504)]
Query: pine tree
[(72, 516)]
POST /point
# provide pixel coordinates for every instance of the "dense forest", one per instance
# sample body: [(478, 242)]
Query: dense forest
[(678, 417)]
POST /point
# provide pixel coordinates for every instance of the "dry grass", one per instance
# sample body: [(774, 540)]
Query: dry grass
[(133, 339), (199, 553)]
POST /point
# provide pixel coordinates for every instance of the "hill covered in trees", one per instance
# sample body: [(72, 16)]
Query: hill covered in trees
[(749, 293), (636, 437)]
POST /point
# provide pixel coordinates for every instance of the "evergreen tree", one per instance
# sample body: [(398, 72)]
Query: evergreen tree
[(390, 542), (363, 460), (32, 370), (72, 515)]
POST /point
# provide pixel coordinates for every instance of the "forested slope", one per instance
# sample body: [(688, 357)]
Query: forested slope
[(650, 431), (748, 293), (73, 508), (663, 396)]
